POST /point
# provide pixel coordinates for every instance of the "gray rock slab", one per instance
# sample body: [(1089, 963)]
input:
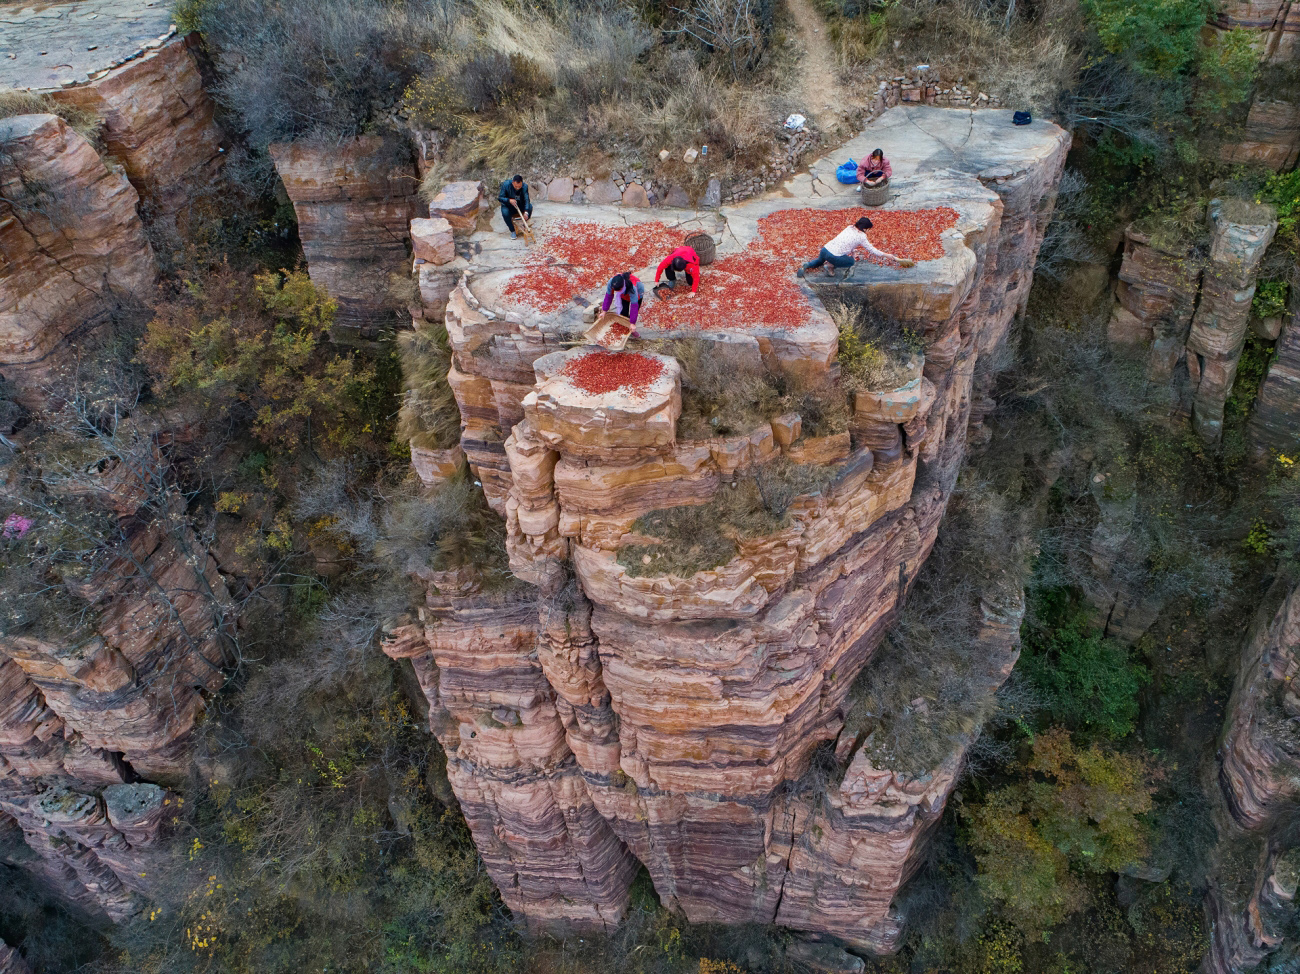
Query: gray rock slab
[(45, 44)]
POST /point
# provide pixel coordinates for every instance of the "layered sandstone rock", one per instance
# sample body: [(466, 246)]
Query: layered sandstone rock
[(1193, 311), (623, 716), (1275, 420), (1251, 911), (1218, 330), (73, 243), (354, 202), (104, 687), (1258, 756), (158, 124), (1271, 133)]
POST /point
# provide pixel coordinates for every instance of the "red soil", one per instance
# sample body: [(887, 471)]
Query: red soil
[(597, 373), (574, 258), (915, 234)]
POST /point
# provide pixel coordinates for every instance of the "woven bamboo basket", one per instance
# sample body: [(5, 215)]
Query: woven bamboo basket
[(875, 195), (703, 246)]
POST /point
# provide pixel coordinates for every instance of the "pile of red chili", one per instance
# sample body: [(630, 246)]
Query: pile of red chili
[(915, 234), (597, 373), (574, 258), (747, 290), (614, 334)]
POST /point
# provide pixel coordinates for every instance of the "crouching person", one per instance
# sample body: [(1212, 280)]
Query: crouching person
[(838, 253), (875, 170), (628, 291), (514, 201), (682, 261)]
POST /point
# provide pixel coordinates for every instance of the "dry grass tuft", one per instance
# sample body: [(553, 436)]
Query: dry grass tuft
[(429, 416), (876, 352), (697, 538), (85, 123)]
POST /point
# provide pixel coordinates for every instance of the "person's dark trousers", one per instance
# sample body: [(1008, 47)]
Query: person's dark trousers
[(671, 275), (509, 215), (826, 257)]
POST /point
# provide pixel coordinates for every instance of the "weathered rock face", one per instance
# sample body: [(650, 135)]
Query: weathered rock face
[(1193, 311), (1218, 330), (1258, 757), (104, 691), (628, 717), (73, 244), (1258, 760), (158, 124), (354, 203), (11, 962), (1275, 420), (1271, 135)]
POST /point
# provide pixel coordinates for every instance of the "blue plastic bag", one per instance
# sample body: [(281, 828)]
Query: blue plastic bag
[(847, 173)]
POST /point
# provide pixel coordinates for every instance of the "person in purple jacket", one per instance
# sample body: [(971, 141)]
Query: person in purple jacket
[(629, 291)]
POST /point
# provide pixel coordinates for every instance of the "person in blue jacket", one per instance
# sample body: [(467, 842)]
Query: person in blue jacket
[(514, 192)]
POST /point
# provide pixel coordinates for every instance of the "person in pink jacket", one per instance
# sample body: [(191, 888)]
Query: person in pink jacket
[(875, 170)]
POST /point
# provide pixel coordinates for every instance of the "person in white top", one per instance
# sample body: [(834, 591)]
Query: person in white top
[(839, 252)]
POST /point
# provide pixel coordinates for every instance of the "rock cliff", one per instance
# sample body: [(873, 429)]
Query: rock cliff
[(354, 204), (624, 714), (1253, 875), (104, 675), (157, 124), (1190, 300), (1271, 134), (74, 246)]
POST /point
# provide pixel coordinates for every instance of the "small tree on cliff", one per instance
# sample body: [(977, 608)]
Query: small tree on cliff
[(251, 352), (1076, 811)]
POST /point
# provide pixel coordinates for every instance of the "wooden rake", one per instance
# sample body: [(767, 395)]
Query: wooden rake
[(528, 230)]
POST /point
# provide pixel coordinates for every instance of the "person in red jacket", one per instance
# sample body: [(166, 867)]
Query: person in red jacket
[(683, 260)]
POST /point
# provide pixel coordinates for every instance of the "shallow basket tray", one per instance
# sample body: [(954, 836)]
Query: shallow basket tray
[(704, 246), (875, 195), (603, 324)]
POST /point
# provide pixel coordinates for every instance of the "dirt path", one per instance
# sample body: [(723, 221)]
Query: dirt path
[(817, 84)]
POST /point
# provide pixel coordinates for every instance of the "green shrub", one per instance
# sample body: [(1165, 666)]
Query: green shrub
[(1089, 683), (254, 350), (1282, 190), (875, 351), (1225, 72), (1074, 809), (1270, 299), (1158, 38)]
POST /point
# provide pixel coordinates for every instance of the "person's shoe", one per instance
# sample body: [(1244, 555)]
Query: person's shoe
[(857, 188), (799, 272), (513, 235)]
